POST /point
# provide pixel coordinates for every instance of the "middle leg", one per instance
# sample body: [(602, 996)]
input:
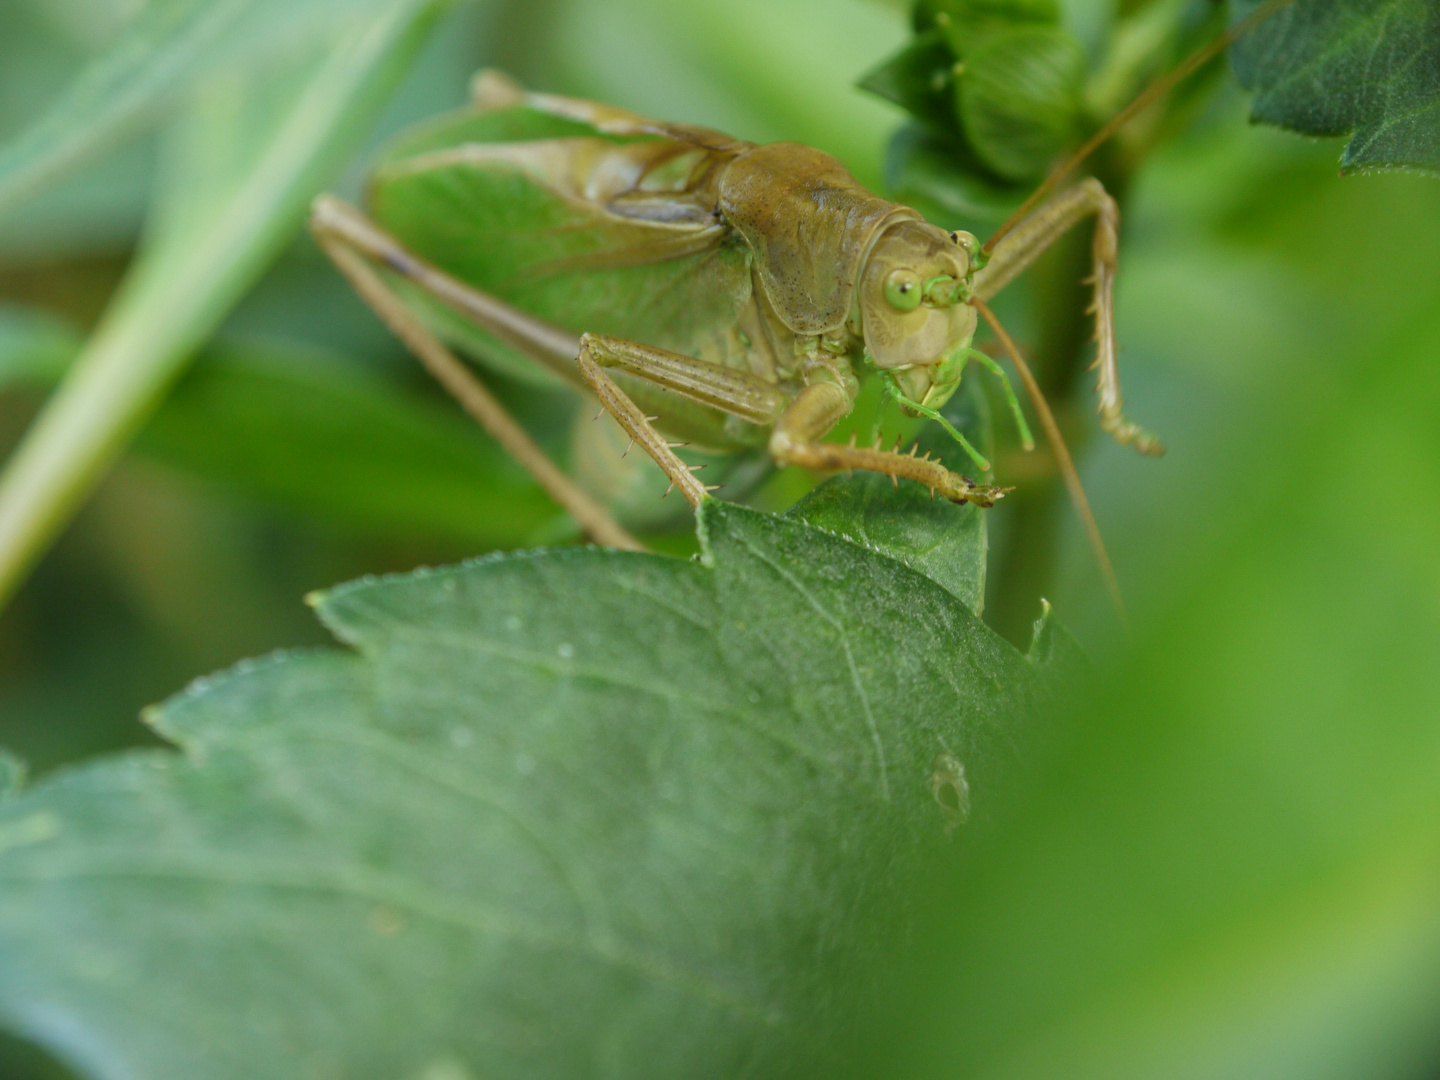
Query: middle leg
[(738, 393), (351, 242)]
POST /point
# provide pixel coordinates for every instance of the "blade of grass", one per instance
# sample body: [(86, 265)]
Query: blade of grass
[(244, 162)]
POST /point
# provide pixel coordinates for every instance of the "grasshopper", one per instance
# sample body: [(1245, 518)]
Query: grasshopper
[(704, 289)]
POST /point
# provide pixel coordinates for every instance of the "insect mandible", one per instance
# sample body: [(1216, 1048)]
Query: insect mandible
[(770, 283)]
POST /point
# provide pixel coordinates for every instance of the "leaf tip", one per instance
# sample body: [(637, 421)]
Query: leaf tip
[(1052, 647)]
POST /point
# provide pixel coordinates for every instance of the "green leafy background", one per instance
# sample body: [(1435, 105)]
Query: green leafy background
[(1370, 70), (1218, 861)]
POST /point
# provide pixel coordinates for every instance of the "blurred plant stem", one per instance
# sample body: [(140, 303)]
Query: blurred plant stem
[(243, 163), (1024, 563)]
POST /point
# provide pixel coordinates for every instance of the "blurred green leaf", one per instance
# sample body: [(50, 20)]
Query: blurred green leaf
[(943, 181), (322, 437), (35, 349), (557, 810), (1144, 43), (109, 98), (93, 210), (1368, 68), (307, 431), (753, 68), (919, 78), (169, 47), (12, 774), (1227, 865), (243, 163), (1020, 97), (964, 22)]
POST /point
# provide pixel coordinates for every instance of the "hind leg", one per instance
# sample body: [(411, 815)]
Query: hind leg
[(354, 244)]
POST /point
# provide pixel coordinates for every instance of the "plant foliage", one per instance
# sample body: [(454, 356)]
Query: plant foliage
[(553, 811), (578, 812), (1369, 69), (244, 156)]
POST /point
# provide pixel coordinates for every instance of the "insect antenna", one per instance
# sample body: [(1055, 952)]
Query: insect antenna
[(1062, 458), (1144, 100)]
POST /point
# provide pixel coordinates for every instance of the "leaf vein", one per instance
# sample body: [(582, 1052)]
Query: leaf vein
[(855, 682), (420, 901), (613, 677)]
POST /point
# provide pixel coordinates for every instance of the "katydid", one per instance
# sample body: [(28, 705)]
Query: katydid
[(703, 288)]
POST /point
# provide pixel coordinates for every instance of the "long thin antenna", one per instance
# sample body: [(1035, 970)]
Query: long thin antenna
[(1062, 458), (1146, 98)]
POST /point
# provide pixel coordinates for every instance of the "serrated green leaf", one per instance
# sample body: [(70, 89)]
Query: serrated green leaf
[(243, 163), (1020, 97), (557, 811), (1367, 68), (944, 542)]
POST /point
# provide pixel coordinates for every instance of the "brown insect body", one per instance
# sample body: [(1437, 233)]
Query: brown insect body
[(792, 279)]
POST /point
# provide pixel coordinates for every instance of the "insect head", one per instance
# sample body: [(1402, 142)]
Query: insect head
[(915, 321)]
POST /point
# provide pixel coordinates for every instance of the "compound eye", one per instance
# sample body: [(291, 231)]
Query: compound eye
[(955, 238), (902, 290)]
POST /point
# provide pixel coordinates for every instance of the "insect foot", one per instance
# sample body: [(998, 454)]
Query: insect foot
[(1127, 433), (962, 489)]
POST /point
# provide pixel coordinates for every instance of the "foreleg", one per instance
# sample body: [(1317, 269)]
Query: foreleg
[(796, 441), (1033, 236), (351, 241)]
